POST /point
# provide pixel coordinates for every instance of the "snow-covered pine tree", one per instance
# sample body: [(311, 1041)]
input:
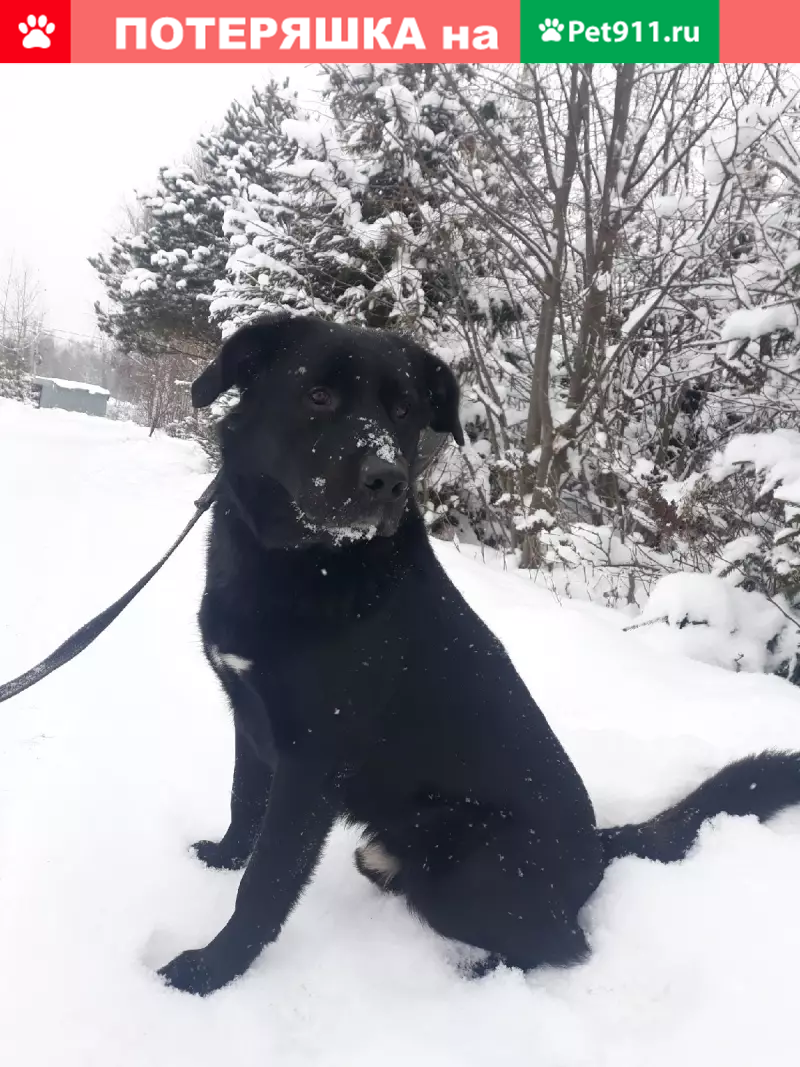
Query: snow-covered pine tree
[(250, 152), (363, 207), (161, 273)]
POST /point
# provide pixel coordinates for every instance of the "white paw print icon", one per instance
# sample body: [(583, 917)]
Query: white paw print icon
[(36, 36), (551, 29)]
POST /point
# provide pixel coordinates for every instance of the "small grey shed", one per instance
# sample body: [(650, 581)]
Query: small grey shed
[(71, 396)]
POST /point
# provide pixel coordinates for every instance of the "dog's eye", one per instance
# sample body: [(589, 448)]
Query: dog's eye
[(321, 398), (400, 410)]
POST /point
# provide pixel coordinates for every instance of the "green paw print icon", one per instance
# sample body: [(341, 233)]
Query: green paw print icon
[(551, 29)]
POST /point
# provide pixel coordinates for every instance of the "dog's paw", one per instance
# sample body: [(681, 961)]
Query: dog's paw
[(190, 973), (216, 855)]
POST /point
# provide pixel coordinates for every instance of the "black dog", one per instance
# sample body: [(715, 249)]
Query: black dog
[(362, 685)]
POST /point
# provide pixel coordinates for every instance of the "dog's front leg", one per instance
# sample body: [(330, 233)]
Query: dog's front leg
[(249, 793), (299, 816)]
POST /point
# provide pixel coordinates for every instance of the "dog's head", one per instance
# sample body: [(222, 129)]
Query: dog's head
[(333, 414)]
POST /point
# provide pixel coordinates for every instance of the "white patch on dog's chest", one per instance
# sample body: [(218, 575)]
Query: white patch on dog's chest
[(237, 664)]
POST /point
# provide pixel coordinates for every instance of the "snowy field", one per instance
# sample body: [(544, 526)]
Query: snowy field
[(109, 769)]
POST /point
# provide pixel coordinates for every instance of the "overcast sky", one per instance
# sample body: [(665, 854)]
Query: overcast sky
[(75, 142)]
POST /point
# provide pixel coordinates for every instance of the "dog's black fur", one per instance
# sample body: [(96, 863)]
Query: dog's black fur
[(364, 687)]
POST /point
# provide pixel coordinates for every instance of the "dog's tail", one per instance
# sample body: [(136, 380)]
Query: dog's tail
[(757, 785)]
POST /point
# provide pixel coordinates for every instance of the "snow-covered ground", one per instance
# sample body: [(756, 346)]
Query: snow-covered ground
[(109, 769)]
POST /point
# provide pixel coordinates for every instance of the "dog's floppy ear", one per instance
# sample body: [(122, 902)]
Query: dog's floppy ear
[(240, 358), (443, 394)]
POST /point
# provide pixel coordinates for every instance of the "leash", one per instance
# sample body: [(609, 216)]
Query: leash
[(82, 638)]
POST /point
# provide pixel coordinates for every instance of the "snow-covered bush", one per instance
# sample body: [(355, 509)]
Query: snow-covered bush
[(710, 619), (764, 516)]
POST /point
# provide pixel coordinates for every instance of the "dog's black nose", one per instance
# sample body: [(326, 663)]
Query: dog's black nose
[(384, 482)]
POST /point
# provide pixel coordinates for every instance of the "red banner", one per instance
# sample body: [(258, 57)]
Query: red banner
[(205, 31)]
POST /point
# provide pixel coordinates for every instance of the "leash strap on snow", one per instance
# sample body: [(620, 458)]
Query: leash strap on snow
[(88, 633)]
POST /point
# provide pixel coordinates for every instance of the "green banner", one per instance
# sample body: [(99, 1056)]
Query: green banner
[(620, 31)]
